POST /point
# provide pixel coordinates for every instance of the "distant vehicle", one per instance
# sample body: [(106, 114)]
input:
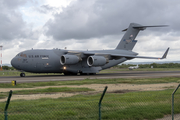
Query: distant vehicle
[(133, 67), (73, 62)]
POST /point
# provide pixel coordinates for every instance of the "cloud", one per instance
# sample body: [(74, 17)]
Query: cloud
[(12, 24), (46, 9), (98, 18), (12, 4)]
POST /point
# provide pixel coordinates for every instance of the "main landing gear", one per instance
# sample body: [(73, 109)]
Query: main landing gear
[(87, 73), (22, 74), (71, 73)]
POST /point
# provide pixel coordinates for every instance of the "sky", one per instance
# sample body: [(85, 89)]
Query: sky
[(88, 24)]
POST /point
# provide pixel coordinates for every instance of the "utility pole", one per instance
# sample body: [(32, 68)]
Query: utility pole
[(1, 55)]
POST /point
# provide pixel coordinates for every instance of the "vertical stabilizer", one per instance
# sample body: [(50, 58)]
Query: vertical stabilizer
[(128, 41)]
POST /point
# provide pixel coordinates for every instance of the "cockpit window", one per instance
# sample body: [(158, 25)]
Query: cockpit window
[(23, 55), (18, 54)]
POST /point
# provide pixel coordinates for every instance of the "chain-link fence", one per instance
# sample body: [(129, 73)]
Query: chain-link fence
[(117, 105)]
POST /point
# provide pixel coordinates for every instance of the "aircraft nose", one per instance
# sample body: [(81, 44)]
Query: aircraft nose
[(13, 62)]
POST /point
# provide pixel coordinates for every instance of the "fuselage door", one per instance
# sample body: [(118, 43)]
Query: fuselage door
[(38, 66)]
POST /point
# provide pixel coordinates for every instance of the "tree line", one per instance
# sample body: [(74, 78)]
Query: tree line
[(7, 68), (154, 65)]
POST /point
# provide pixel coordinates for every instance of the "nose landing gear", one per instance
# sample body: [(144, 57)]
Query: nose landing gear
[(22, 74)]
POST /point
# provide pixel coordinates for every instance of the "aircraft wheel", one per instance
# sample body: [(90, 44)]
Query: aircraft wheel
[(92, 73), (83, 73), (22, 74), (66, 73), (74, 73), (69, 73)]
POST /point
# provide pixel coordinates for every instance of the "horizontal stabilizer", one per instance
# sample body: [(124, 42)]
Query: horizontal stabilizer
[(140, 27), (144, 27)]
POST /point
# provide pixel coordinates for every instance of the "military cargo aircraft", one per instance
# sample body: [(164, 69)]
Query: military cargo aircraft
[(73, 62)]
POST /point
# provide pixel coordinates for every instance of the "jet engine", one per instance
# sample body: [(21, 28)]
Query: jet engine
[(96, 61), (69, 59)]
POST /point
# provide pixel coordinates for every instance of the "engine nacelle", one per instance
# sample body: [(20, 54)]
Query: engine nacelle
[(69, 59), (96, 61)]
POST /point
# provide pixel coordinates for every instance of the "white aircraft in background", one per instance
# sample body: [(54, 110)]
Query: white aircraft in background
[(133, 67)]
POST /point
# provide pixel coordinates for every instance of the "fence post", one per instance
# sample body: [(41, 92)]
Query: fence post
[(172, 109), (101, 101), (7, 104)]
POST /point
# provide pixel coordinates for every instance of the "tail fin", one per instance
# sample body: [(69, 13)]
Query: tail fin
[(128, 41)]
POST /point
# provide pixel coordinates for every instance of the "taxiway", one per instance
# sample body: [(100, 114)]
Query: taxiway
[(122, 74)]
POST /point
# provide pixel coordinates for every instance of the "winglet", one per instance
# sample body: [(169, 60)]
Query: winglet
[(165, 54)]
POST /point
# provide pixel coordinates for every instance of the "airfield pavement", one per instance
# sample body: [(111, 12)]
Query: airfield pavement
[(121, 74)]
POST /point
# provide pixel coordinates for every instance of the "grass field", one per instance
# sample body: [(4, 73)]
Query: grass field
[(130, 106), (51, 90)]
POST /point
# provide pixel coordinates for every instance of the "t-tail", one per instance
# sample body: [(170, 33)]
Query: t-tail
[(128, 41)]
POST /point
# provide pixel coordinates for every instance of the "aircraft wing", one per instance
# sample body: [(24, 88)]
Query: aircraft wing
[(127, 56), (163, 57)]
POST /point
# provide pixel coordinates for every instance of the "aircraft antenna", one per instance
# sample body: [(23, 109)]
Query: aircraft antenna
[(1, 55)]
